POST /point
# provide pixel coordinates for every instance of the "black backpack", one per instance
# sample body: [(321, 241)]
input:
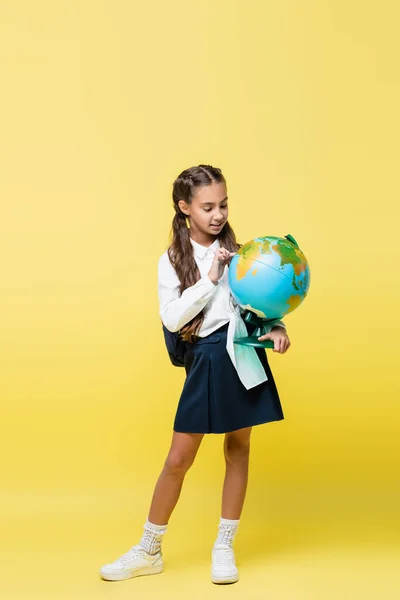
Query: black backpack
[(175, 346)]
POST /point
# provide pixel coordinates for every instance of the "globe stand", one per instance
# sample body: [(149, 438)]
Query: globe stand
[(261, 325)]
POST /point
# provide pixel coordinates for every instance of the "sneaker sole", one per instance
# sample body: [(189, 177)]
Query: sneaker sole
[(132, 573), (232, 579)]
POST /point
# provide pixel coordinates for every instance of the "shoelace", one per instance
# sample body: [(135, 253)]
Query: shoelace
[(134, 551), (223, 556)]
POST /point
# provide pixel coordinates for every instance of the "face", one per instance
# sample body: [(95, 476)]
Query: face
[(209, 207)]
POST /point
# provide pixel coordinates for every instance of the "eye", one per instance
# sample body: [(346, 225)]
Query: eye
[(222, 206)]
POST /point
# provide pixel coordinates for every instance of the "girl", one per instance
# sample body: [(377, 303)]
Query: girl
[(228, 387)]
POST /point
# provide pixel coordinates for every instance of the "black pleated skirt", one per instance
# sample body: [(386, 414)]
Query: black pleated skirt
[(213, 399)]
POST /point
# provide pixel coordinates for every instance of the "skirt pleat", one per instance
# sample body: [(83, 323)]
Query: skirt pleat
[(213, 399)]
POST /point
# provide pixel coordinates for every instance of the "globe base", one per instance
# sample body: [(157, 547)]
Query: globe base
[(251, 340)]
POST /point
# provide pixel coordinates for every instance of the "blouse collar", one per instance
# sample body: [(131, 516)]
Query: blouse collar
[(200, 250)]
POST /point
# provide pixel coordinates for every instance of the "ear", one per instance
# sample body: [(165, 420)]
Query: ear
[(183, 206)]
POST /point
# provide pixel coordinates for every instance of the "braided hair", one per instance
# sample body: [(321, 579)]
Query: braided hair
[(180, 251)]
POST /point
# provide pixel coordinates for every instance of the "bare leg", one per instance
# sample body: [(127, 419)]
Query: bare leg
[(180, 458), (236, 450)]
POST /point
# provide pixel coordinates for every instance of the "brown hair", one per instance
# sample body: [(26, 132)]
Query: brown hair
[(180, 251)]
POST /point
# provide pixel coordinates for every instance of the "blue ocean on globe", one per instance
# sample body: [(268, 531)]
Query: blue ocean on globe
[(269, 276)]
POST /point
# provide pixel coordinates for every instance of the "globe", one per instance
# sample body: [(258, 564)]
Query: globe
[(269, 278)]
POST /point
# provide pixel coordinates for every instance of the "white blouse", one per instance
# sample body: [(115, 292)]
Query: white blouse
[(219, 308)]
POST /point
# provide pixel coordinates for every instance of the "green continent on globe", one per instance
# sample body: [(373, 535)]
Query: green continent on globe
[(291, 255), (288, 253)]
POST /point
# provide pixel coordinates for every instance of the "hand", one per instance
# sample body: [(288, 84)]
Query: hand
[(279, 337), (221, 258)]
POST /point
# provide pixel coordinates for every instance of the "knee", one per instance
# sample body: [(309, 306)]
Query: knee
[(236, 452), (178, 463)]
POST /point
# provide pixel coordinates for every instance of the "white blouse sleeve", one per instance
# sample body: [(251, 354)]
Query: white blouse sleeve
[(175, 310)]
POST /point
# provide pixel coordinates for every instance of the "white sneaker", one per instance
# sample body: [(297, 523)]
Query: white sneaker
[(223, 568), (133, 563)]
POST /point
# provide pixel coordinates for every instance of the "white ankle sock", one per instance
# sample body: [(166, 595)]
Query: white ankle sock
[(226, 531), (152, 537)]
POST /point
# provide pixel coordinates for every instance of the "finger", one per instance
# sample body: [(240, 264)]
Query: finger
[(228, 259), (264, 337)]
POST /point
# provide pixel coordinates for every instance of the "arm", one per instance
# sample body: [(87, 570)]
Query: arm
[(278, 324), (175, 310)]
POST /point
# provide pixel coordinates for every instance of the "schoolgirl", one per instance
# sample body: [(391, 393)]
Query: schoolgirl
[(228, 388)]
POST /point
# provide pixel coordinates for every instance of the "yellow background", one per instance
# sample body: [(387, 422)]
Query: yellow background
[(102, 105)]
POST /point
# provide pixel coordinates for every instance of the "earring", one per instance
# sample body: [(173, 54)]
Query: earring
[(187, 222)]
